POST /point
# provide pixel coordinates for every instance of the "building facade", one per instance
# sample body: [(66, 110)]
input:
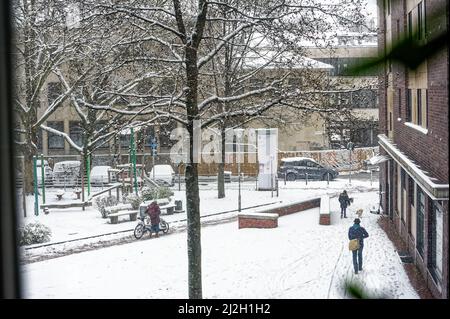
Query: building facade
[(414, 137)]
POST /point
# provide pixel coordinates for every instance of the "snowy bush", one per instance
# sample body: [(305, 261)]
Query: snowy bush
[(34, 233), (155, 193), (164, 192), (134, 200), (105, 201), (147, 193)]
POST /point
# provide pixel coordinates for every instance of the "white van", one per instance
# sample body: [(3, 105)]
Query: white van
[(163, 174), (66, 173)]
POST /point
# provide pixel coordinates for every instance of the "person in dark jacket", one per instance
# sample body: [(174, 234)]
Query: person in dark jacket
[(153, 211), (357, 232), (345, 201)]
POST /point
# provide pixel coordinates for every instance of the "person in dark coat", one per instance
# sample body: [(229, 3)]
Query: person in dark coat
[(345, 201), (357, 232), (153, 211)]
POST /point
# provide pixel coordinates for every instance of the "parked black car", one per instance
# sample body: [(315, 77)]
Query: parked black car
[(297, 168)]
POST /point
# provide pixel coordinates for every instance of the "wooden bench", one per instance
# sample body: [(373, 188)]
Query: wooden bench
[(116, 208), (324, 217), (66, 205), (114, 217), (169, 208)]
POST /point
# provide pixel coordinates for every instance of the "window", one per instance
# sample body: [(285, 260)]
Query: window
[(421, 25), (311, 164), (54, 90), (55, 141), (436, 241), (420, 220), (419, 107), (408, 105), (100, 127), (411, 191), (39, 139), (295, 83), (124, 140), (256, 84), (419, 21), (399, 92), (426, 108), (76, 132), (410, 25), (390, 121), (403, 189), (167, 86), (398, 30)]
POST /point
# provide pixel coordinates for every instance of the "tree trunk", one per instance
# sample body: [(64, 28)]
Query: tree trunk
[(192, 191), (193, 229), (221, 166), (27, 173)]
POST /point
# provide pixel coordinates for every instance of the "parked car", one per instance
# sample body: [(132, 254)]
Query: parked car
[(297, 168), (66, 173), (163, 174), (99, 175)]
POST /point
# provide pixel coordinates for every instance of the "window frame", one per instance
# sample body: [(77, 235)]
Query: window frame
[(420, 221), (52, 136)]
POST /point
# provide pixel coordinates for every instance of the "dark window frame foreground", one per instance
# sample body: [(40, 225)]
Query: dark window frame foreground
[(9, 255)]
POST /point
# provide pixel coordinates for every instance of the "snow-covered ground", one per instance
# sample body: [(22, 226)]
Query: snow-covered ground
[(299, 259), (74, 223)]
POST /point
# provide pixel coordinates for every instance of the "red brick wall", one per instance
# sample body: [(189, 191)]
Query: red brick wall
[(324, 219), (429, 151), (248, 222), (297, 207)]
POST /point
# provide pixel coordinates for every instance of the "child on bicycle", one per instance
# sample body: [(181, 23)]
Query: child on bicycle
[(153, 211)]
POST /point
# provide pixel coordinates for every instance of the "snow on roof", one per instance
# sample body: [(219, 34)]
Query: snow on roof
[(162, 169), (296, 159), (377, 159), (127, 131), (270, 59), (100, 170), (69, 163)]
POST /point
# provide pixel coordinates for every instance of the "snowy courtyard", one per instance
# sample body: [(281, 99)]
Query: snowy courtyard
[(299, 259)]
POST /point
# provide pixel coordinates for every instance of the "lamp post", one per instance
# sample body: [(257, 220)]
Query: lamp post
[(43, 178), (239, 135), (350, 147), (36, 199)]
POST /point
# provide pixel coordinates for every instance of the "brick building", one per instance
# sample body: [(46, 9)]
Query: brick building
[(413, 136)]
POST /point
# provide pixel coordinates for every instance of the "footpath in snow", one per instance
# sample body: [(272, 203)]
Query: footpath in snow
[(299, 259)]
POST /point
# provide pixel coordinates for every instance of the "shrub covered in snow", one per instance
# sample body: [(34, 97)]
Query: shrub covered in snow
[(34, 233), (134, 200), (155, 193), (105, 201)]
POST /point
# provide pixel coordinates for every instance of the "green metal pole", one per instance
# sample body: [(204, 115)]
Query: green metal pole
[(133, 157), (36, 199), (88, 170), (43, 178)]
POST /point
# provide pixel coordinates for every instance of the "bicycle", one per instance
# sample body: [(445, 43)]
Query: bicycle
[(144, 226)]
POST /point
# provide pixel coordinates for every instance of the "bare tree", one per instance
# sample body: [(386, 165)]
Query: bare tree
[(174, 38)]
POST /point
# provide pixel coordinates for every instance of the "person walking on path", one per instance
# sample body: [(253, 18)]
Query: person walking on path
[(344, 200), (357, 232), (153, 211)]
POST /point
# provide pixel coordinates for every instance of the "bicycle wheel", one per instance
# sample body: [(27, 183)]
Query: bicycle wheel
[(139, 231), (164, 226)]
